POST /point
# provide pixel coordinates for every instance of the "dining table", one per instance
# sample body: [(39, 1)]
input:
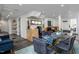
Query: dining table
[(55, 38)]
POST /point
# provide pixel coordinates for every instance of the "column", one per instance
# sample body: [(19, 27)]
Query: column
[(59, 22)]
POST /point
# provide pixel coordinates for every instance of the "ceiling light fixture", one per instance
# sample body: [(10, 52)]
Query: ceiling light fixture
[(20, 4), (11, 13), (62, 5), (8, 16)]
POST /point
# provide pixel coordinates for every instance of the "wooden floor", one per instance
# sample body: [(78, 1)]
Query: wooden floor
[(19, 42)]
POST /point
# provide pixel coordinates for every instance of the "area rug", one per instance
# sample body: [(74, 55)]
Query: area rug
[(76, 47), (30, 49), (26, 50)]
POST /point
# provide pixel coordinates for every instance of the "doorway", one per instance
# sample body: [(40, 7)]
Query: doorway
[(73, 24), (49, 23)]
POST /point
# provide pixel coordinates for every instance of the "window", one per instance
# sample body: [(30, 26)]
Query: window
[(34, 22)]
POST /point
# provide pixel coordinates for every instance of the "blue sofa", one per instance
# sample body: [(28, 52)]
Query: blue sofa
[(6, 43)]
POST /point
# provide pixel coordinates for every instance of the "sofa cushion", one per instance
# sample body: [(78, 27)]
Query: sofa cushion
[(5, 47), (4, 37), (5, 41)]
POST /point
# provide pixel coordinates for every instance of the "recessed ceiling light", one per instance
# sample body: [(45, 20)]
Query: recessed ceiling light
[(11, 13), (62, 5), (20, 4), (8, 16)]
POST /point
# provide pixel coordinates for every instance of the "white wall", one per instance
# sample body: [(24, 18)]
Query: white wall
[(24, 27), (77, 25), (18, 26), (73, 22), (45, 22), (55, 22), (59, 23), (65, 25), (9, 25), (24, 22), (4, 26)]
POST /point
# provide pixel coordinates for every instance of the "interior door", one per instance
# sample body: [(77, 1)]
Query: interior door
[(49, 23)]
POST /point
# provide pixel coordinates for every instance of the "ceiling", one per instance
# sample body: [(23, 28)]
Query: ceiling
[(50, 10)]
